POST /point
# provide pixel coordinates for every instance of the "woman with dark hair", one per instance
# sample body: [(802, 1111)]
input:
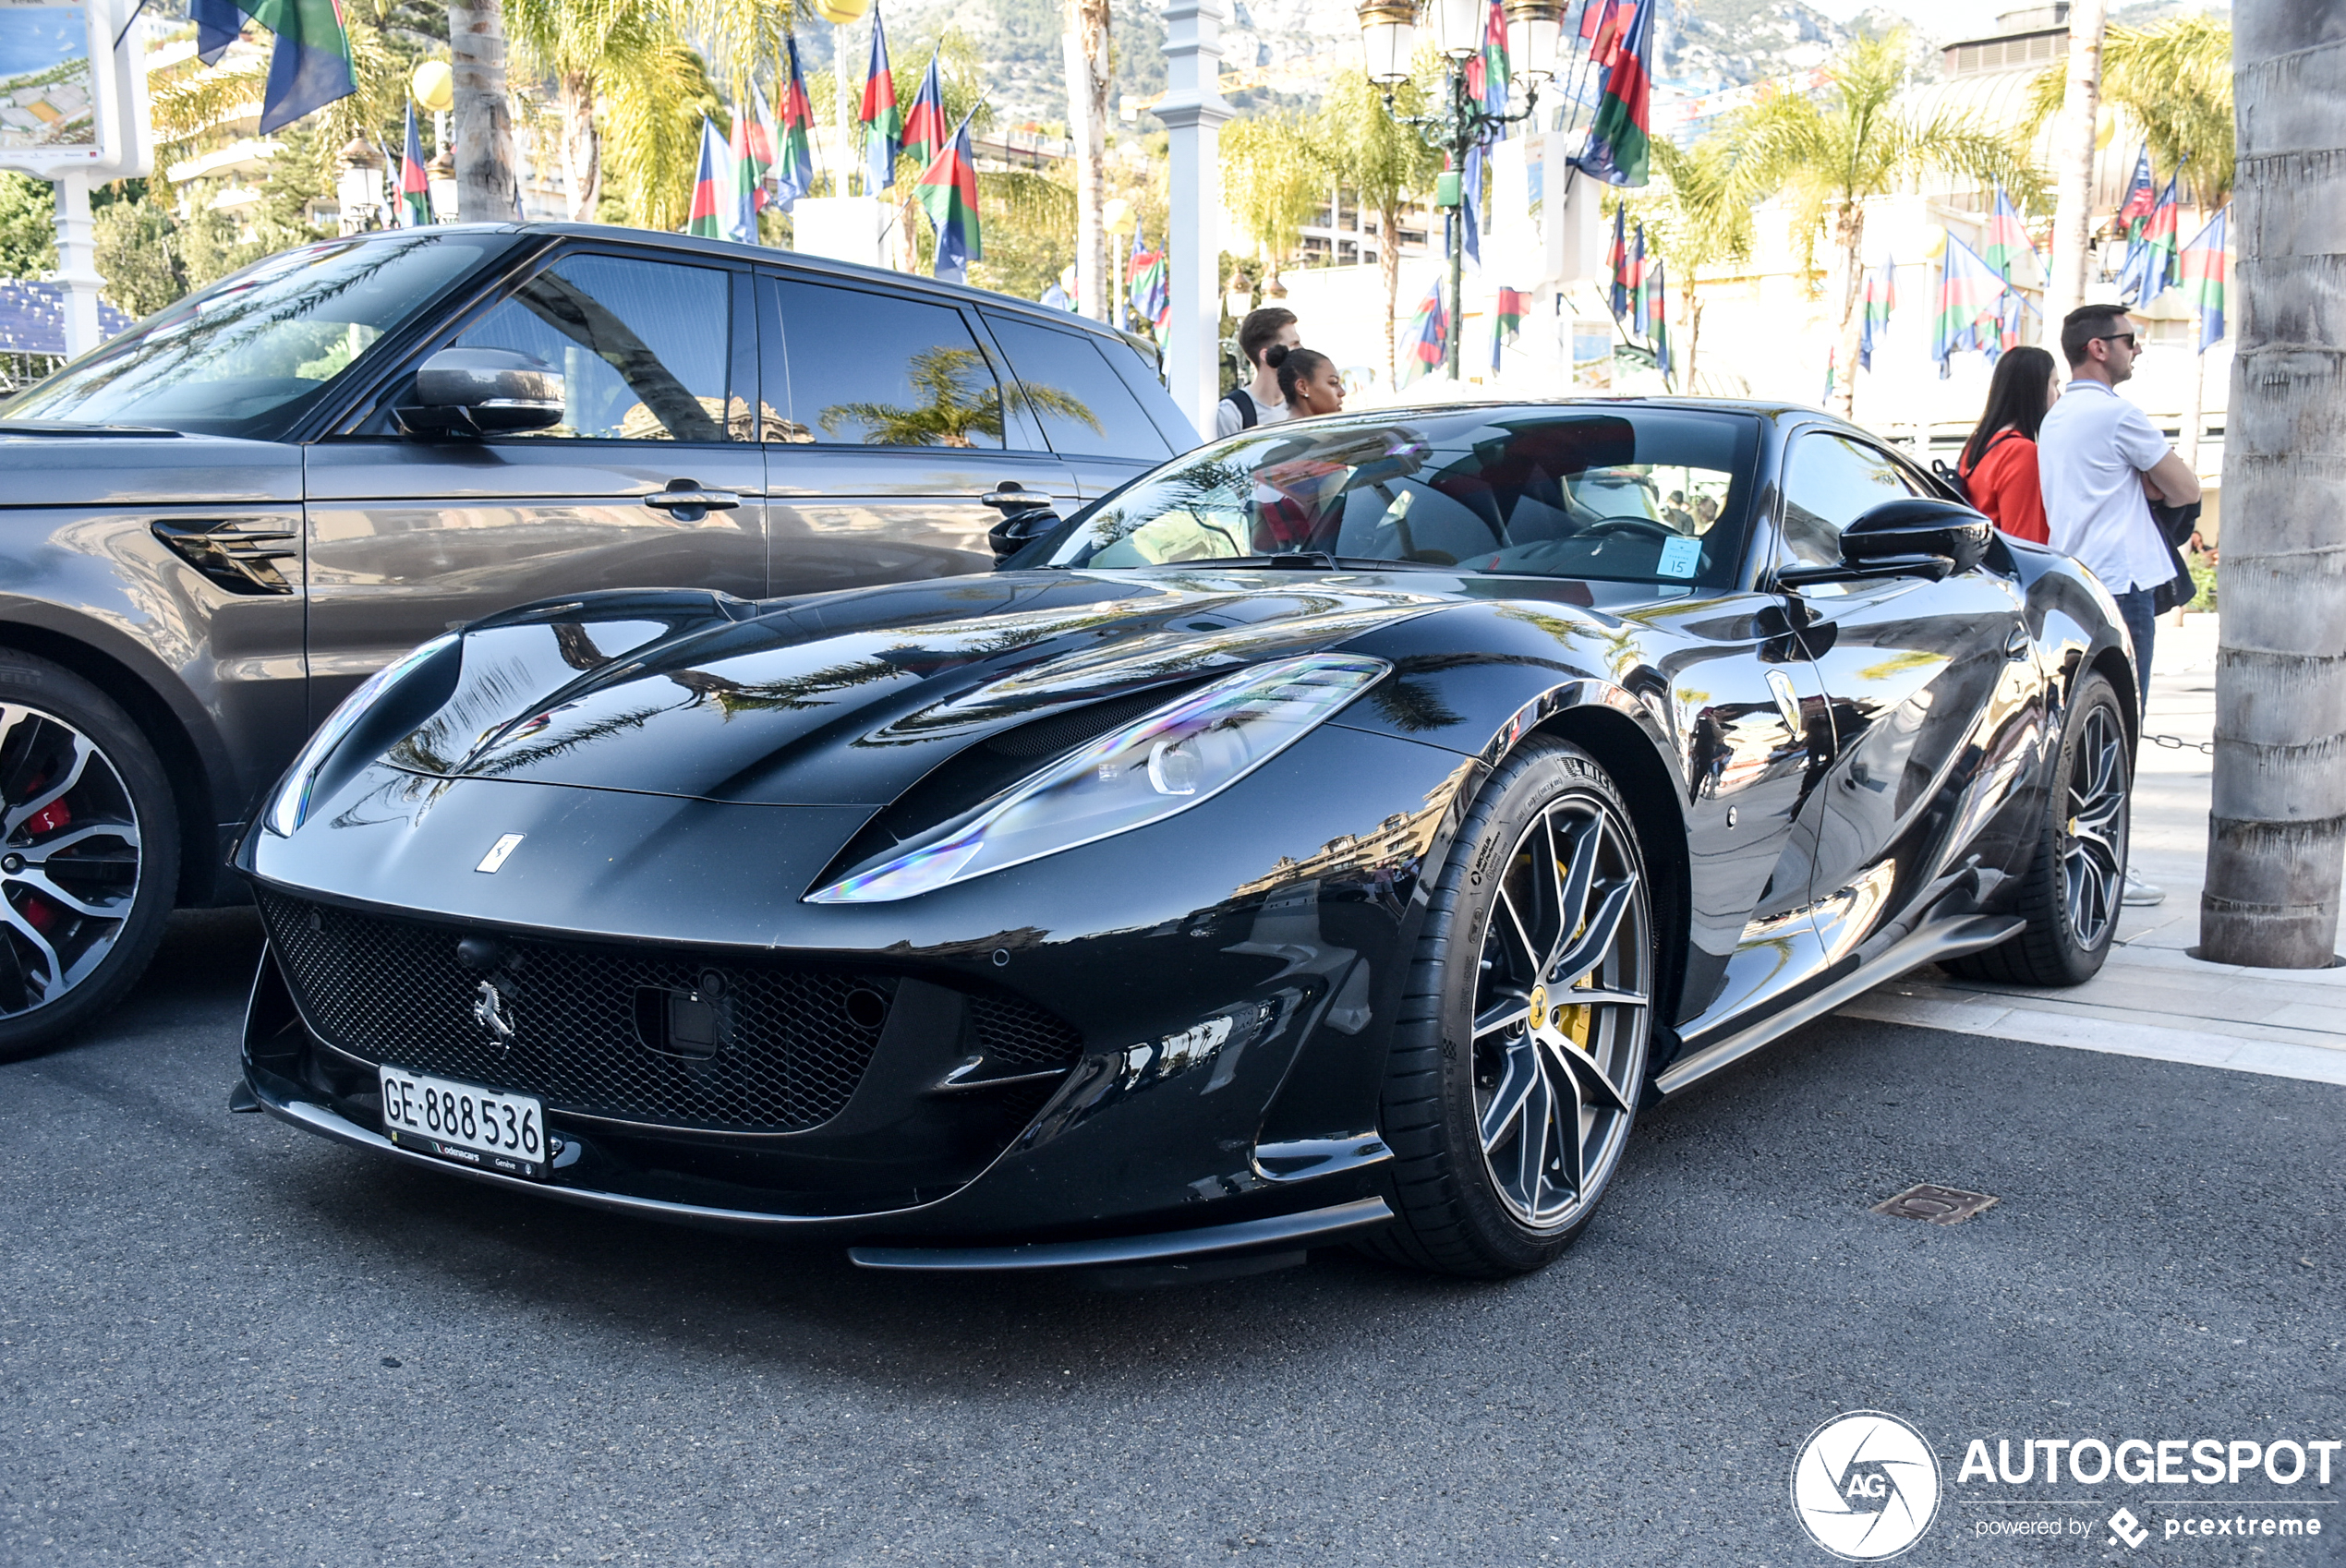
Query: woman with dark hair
[(1999, 464), (1308, 380)]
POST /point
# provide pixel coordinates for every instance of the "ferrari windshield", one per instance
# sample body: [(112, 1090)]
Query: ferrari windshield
[(1614, 491), (248, 355)]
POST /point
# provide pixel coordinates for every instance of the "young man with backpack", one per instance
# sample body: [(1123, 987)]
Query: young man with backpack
[(1259, 401)]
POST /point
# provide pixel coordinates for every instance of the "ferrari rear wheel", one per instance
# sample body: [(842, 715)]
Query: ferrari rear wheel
[(2069, 895), (1520, 1051), (89, 854)]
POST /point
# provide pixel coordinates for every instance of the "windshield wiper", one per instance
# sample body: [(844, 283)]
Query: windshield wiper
[(68, 428)]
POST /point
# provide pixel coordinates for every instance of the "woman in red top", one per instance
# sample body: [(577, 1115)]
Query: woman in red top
[(1999, 464)]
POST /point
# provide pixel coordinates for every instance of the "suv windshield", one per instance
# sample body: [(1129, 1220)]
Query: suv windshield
[(1612, 491), (247, 355)]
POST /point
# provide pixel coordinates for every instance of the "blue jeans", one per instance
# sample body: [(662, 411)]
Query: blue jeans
[(2135, 609)]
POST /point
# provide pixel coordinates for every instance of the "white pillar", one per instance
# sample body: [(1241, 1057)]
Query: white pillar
[(77, 264), (1193, 110)]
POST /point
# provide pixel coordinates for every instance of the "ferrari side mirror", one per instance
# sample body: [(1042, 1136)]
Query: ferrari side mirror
[(1912, 536)]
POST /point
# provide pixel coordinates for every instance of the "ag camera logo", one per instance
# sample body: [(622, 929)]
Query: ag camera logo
[(1865, 1486)]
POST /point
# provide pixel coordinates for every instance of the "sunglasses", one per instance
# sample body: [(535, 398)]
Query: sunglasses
[(2126, 338)]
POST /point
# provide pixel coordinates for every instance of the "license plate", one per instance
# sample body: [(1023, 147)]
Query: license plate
[(486, 1127)]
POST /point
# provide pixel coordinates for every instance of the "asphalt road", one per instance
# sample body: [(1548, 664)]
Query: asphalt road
[(223, 1341)]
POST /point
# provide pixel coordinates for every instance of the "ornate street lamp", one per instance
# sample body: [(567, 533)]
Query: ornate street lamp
[(1388, 39)]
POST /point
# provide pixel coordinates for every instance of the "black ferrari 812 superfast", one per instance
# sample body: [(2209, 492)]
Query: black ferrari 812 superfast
[(1337, 834)]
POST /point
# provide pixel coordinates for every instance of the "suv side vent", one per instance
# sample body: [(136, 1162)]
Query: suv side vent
[(238, 556)]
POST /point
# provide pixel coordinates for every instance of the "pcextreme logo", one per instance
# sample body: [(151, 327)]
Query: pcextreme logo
[(1865, 1486)]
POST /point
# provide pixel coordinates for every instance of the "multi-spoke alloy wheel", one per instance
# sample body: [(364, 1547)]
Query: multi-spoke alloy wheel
[(2068, 893), (82, 800), (2093, 849), (1561, 999), (1520, 1051)]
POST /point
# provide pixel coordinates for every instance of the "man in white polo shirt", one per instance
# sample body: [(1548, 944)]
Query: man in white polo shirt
[(2100, 459)]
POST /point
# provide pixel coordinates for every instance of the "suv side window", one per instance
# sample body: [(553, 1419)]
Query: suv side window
[(1084, 406), (875, 370), (1830, 482), (642, 346)]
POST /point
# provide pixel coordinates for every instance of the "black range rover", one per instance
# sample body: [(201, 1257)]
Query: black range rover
[(216, 525)]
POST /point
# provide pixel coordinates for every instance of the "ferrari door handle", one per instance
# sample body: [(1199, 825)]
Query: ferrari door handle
[(2017, 645), (685, 495)]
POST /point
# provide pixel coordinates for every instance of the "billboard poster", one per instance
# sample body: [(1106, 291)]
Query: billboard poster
[(48, 102)]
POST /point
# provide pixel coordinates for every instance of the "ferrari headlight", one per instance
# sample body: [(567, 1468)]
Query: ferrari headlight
[(291, 803), (1161, 763)]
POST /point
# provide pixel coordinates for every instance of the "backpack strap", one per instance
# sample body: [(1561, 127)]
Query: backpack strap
[(1245, 405)]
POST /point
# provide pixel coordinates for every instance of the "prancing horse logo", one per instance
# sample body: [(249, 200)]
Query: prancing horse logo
[(489, 1011)]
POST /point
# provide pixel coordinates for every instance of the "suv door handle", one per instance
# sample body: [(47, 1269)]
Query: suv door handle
[(1011, 496), (687, 495)]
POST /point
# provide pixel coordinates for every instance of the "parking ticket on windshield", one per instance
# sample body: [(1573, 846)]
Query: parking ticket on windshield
[(1680, 557)]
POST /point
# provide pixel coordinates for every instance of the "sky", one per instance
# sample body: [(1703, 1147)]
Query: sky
[(33, 38)]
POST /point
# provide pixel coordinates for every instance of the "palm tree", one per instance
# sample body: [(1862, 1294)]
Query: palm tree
[(486, 188), (964, 401), (1828, 155), (2175, 79), (1692, 218), (1086, 45), (2072, 159), (1272, 181), (2277, 824), (588, 48), (1384, 161)]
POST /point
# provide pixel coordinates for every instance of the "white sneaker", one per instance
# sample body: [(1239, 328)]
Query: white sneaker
[(2139, 893)]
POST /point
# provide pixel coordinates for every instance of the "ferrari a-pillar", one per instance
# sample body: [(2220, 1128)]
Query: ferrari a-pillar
[(1193, 110)]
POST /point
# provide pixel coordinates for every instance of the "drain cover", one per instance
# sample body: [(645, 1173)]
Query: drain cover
[(1940, 1205)]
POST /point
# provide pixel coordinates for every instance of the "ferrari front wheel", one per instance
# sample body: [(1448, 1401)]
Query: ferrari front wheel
[(1520, 1051)]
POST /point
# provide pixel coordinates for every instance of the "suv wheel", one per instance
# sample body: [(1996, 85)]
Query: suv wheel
[(89, 854)]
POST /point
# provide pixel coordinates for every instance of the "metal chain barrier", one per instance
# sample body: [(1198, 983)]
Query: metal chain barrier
[(2177, 743)]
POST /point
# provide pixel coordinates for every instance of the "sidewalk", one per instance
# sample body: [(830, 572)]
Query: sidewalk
[(2152, 998)]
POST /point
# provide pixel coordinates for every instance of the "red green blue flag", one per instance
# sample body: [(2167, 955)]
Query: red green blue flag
[(707, 218), (1618, 138), (2008, 240), (2142, 195), (1506, 320), (1880, 298), (764, 138), (925, 130), (1427, 343), (948, 188), (1970, 296), (415, 181), (1639, 299), (882, 121), (1486, 72), (2150, 260), (737, 189), (1152, 284), (2207, 277), (310, 65), (1659, 315), (794, 163), (1603, 24), (1618, 258)]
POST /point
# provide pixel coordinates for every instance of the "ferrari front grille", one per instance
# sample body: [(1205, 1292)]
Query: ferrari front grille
[(642, 1034)]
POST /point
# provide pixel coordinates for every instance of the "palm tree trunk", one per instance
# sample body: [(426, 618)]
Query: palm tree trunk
[(581, 154), (2073, 165), (1388, 261), (487, 190), (1084, 45), (2277, 824), (1694, 332), (1849, 228)]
